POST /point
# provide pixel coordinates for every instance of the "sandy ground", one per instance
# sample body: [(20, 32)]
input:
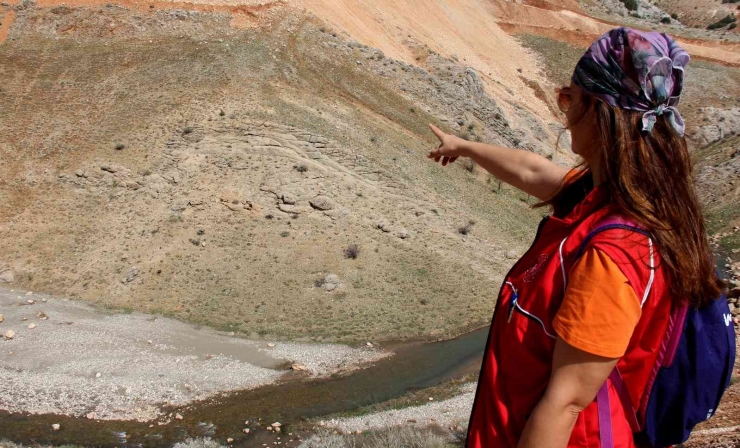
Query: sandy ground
[(123, 366)]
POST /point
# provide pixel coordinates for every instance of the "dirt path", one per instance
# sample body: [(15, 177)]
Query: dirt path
[(69, 358)]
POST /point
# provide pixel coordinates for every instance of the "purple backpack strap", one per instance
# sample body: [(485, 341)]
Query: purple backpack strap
[(603, 402), (605, 417), (603, 405)]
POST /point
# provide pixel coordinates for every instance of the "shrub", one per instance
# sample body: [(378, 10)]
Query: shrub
[(467, 228), (730, 1), (665, 19), (285, 234), (352, 252), (469, 165), (674, 16), (187, 130), (728, 19), (732, 26), (120, 146), (302, 168), (630, 4)]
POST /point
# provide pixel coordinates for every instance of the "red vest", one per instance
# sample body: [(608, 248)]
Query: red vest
[(518, 358)]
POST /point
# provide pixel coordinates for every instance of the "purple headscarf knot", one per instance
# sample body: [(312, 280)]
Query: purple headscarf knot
[(636, 70)]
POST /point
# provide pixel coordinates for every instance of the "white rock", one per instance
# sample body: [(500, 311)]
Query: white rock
[(31, 326), (30, 301), (276, 425), (298, 367), (246, 430), (10, 334), (98, 375), (2, 318), (370, 344), (29, 293), (55, 427), (178, 417), (229, 440), (91, 416), (271, 345)]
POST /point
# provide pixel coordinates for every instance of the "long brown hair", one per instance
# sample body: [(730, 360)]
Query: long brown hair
[(648, 179)]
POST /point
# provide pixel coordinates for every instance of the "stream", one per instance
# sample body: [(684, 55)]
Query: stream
[(414, 366)]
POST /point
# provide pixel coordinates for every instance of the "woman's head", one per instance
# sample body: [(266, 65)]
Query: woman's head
[(620, 109)]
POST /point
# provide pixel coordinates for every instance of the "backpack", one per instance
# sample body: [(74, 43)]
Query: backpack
[(690, 375)]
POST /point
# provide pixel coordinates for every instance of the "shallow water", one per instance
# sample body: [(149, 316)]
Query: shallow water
[(414, 366)]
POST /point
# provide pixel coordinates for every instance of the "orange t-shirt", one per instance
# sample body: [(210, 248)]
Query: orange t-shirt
[(600, 309)]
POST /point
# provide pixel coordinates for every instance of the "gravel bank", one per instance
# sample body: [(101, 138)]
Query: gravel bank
[(444, 413), (69, 358)]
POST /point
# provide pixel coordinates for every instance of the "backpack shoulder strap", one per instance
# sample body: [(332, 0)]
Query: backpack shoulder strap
[(610, 223)]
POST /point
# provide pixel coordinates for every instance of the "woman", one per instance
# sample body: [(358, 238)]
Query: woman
[(565, 320)]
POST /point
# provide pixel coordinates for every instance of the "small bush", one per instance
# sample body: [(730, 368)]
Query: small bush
[(302, 168), (221, 113), (120, 146), (469, 165), (269, 216), (319, 282), (730, 1), (285, 234), (467, 228), (665, 19), (373, 139), (352, 252), (728, 19), (732, 26), (674, 16), (630, 4), (187, 130)]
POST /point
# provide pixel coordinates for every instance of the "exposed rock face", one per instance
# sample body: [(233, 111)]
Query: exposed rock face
[(717, 124)]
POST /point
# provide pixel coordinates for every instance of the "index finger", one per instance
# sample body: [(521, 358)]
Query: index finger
[(438, 132)]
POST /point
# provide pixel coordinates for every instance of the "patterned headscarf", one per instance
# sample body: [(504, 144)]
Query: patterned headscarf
[(636, 70)]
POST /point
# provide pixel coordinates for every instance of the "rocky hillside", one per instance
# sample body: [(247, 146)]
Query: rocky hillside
[(270, 180)]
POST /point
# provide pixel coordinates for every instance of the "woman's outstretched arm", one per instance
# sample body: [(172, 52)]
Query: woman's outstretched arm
[(523, 169)]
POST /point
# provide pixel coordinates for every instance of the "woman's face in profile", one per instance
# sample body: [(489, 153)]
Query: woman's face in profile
[(580, 121)]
